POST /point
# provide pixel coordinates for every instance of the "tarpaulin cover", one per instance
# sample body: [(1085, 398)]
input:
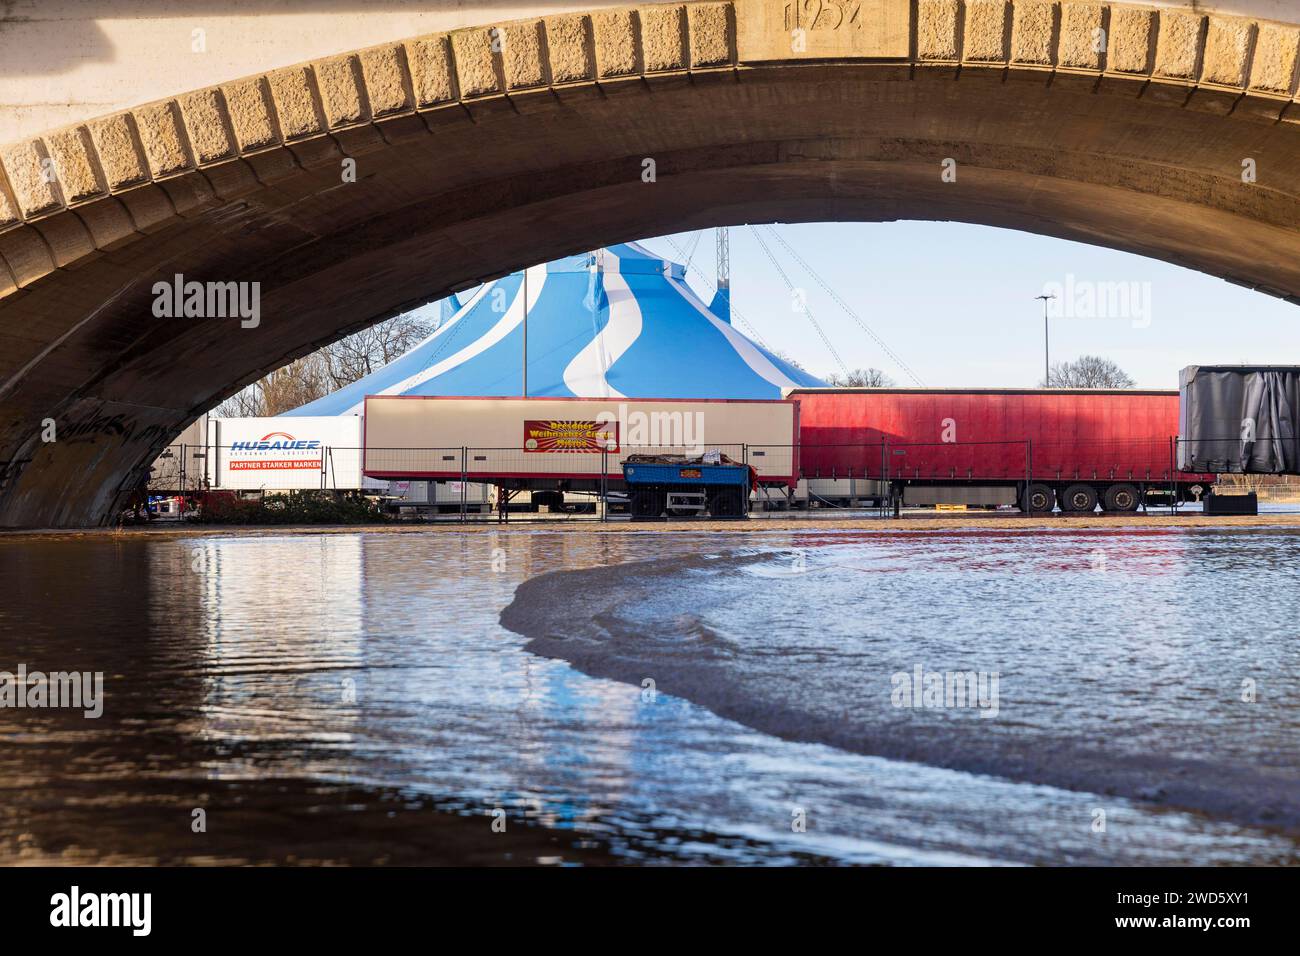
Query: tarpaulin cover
[(1239, 419)]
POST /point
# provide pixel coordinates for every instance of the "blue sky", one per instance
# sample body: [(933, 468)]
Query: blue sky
[(956, 303)]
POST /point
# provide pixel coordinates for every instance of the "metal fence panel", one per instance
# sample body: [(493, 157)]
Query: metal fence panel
[(585, 479)]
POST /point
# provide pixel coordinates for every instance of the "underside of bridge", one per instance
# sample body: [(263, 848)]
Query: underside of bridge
[(481, 152)]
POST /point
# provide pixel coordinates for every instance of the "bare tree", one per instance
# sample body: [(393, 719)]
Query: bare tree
[(1087, 371), (245, 403), (301, 381), (316, 375), (363, 352), (860, 378), (788, 359)]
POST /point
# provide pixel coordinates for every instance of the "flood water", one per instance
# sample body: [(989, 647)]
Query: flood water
[(660, 697)]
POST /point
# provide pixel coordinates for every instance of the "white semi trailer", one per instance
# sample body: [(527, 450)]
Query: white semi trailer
[(558, 445), (287, 454)]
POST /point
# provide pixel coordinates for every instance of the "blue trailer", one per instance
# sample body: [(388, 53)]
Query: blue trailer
[(659, 485)]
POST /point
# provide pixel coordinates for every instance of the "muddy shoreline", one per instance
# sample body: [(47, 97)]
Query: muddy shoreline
[(757, 524), (577, 616)]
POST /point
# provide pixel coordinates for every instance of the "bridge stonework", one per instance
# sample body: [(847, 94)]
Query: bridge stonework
[(91, 214), (1219, 64)]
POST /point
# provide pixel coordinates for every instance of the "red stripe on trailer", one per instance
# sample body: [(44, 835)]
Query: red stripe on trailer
[(482, 477)]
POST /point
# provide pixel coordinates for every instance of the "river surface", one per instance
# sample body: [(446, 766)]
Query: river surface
[(657, 697)]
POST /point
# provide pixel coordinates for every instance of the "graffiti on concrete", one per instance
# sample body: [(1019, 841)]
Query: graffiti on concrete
[(125, 428), (11, 469)]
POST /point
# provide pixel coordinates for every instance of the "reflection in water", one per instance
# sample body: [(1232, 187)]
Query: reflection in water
[(282, 637), (352, 697)]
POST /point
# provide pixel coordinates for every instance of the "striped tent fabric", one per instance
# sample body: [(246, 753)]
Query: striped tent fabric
[(619, 322)]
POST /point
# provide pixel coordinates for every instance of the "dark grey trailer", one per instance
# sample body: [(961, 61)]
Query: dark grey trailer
[(1239, 419)]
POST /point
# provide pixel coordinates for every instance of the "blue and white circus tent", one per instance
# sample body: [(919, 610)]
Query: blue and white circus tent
[(616, 323)]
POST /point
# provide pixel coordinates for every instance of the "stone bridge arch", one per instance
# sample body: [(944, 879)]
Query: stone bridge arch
[(496, 146)]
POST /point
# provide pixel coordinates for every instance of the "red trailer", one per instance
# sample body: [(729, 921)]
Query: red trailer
[(1075, 447)]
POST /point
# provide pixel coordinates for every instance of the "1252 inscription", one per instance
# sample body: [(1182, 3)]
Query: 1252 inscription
[(823, 15)]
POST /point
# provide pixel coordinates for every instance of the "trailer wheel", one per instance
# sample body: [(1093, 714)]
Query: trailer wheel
[(639, 503), (1038, 499), (1121, 498), (1079, 498), (725, 503), (647, 503), (636, 504)]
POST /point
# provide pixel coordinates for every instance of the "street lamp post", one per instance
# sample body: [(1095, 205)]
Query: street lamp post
[(525, 369), (1047, 365)]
